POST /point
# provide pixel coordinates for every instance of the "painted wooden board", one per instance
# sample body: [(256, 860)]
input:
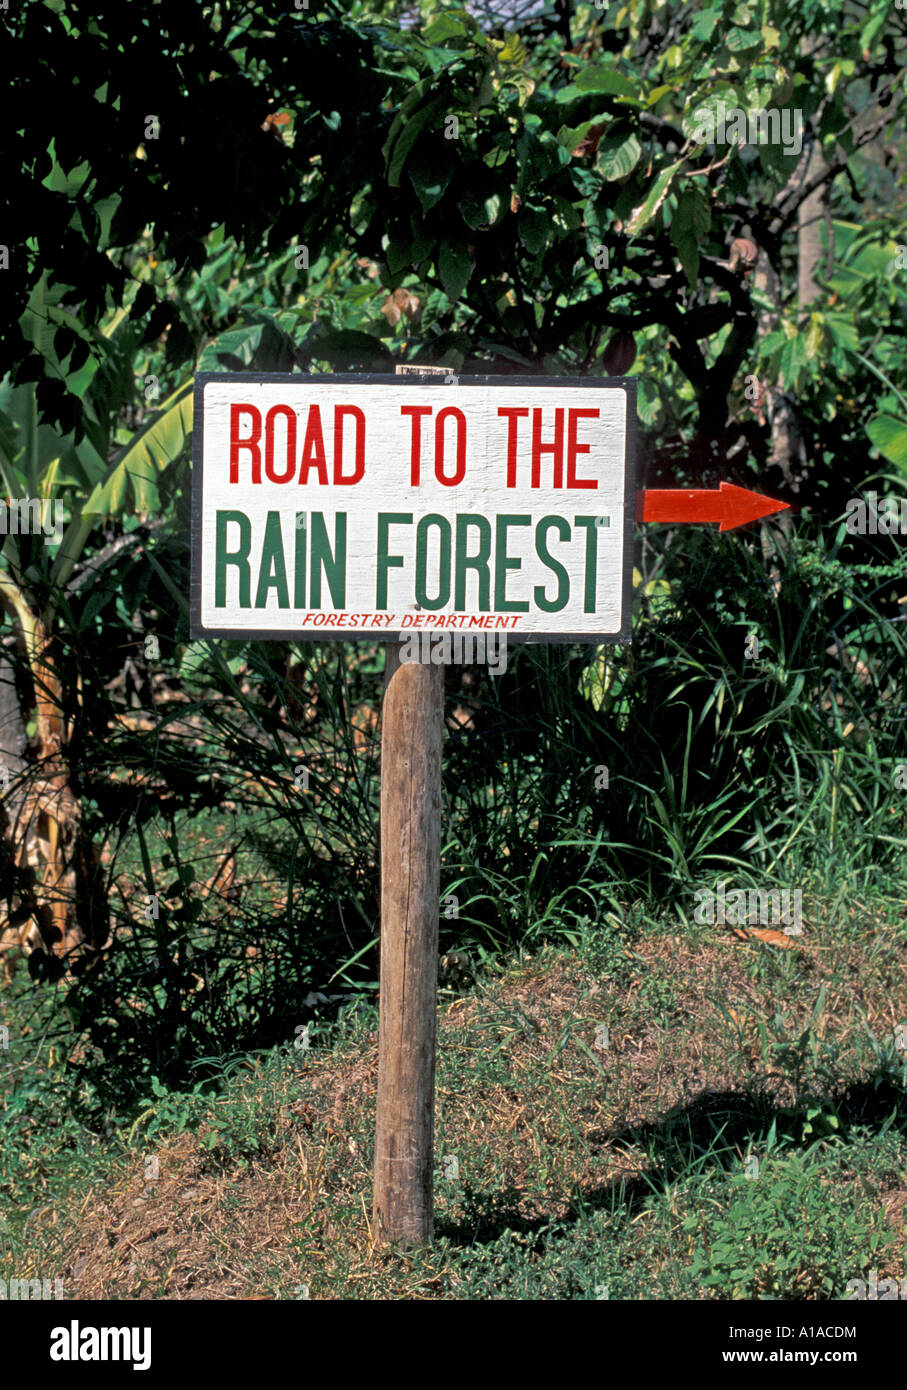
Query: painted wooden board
[(352, 506)]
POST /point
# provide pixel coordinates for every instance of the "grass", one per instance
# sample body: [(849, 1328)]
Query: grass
[(742, 1134)]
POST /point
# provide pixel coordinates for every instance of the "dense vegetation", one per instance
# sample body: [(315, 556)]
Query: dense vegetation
[(339, 187)]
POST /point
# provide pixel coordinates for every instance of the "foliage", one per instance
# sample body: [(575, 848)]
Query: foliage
[(779, 1236), (261, 210)]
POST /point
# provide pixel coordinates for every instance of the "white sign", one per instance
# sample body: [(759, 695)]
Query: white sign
[(356, 506)]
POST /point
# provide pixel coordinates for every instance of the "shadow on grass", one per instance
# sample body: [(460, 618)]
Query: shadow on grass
[(711, 1131)]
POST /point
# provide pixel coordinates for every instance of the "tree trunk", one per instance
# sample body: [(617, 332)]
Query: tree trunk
[(18, 930), (54, 898), (810, 217), (13, 739)]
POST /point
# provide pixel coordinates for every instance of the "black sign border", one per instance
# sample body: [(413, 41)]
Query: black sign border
[(622, 637)]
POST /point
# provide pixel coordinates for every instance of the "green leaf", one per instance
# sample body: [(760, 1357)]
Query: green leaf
[(479, 210), (194, 658), (642, 216), (407, 138), (131, 476), (605, 80), (648, 401), (703, 25), (345, 347), (239, 343), (873, 26), (618, 155), (844, 332), (455, 267), (408, 105), (58, 181), (815, 336), (595, 680), (690, 226), (537, 158), (430, 178), (149, 452), (739, 39), (495, 158), (599, 82), (890, 438), (494, 207), (105, 209), (533, 229), (446, 26), (792, 360), (656, 94), (705, 109), (571, 136), (565, 216), (511, 50), (523, 84), (10, 447)]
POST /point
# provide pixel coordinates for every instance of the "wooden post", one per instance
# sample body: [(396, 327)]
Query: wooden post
[(412, 727), (411, 733)]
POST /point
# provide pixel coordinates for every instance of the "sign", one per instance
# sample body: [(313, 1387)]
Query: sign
[(375, 506), (728, 504), (352, 506)]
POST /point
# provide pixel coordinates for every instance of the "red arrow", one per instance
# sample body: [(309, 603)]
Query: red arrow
[(731, 505)]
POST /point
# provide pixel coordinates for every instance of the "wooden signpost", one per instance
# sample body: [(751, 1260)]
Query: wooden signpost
[(412, 725), (354, 506), (412, 732)]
